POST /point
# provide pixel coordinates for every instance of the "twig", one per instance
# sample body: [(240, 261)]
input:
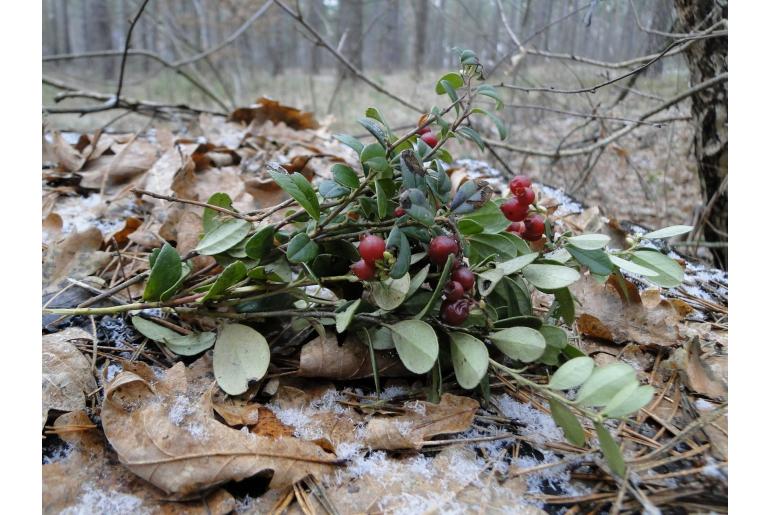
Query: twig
[(355, 71)]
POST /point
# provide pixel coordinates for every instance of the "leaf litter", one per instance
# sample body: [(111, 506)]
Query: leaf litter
[(396, 453)]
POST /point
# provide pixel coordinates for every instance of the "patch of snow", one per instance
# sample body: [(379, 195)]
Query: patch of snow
[(714, 470), (181, 409), (391, 392), (60, 453), (537, 425), (416, 407), (567, 205), (403, 427), (703, 405), (301, 419), (95, 500), (197, 430)]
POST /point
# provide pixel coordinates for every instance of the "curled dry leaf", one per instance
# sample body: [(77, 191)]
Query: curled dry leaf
[(130, 159), (163, 430), (325, 358), (67, 157), (52, 226), (75, 256), (67, 377), (235, 411), (271, 110), (454, 414), (605, 314), (705, 374), (89, 479)]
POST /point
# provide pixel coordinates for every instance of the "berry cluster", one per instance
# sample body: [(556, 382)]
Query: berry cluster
[(457, 304), (516, 209), (428, 136), (371, 249)]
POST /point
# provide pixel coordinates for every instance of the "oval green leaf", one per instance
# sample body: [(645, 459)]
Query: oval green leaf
[(470, 359), (390, 293), (611, 450), (568, 422), (629, 400), (232, 273), (550, 277), (590, 241), (183, 345), (301, 249), (165, 273), (604, 383), (572, 374), (454, 79), (241, 355), (670, 273), (416, 344), (223, 237), (668, 232), (520, 343), (630, 266)]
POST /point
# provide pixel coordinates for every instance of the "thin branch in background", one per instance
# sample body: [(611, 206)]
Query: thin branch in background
[(355, 71)]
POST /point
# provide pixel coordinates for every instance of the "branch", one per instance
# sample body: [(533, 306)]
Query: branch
[(355, 71), (615, 135), (125, 50)]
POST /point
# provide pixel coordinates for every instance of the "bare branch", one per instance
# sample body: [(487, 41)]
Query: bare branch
[(615, 135), (344, 60)]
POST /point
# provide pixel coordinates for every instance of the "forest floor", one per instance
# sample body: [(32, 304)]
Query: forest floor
[(504, 457)]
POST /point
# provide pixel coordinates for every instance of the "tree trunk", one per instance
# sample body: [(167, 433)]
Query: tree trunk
[(706, 59), (351, 19), (420, 24)]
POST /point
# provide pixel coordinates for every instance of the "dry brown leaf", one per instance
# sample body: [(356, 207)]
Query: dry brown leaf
[(75, 256), (220, 131), (163, 430), (67, 377), (66, 156), (129, 226), (52, 226), (703, 374), (325, 358), (134, 157), (454, 414), (275, 112), (604, 313), (90, 480), (234, 410)]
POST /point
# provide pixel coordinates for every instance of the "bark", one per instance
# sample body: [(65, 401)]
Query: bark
[(351, 19), (420, 24), (706, 59)]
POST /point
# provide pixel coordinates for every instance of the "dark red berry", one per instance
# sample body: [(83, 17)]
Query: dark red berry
[(514, 209), (455, 312), (430, 139), (518, 183), (454, 290), (371, 248), (363, 270), (440, 247), (527, 195), (516, 228), (465, 277), (424, 130), (534, 227), (399, 211)]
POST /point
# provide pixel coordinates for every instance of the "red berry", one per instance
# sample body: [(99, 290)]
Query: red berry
[(516, 228), (371, 248), (399, 211), (534, 227), (430, 139), (424, 130), (465, 277), (454, 290), (363, 270), (440, 247), (514, 209), (527, 195), (519, 183), (455, 312)]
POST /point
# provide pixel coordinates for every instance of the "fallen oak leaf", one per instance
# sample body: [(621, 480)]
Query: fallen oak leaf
[(163, 430)]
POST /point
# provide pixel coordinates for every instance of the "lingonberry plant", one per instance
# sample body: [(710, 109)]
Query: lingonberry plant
[(388, 255)]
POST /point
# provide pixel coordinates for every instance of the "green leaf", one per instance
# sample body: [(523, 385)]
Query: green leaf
[(519, 343), (670, 273), (374, 113), (416, 344), (488, 280), (502, 130), (611, 450), (472, 135), (604, 383), (233, 273), (572, 374), (330, 189), (629, 400), (550, 277), (470, 359), (554, 336), (630, 266), (299, 189), (343, 319), (589, 241), (568, 422), (350, 141), (417, 280), (491, 92), (375, 130), (382, 338), (566, 305), (382, 199), (668, 232), (211, 217), (401, 266), (454, 79), (224, 237), (488, 216), (447, 87), (240, 355), (438, 290), (345, 176), (390, 293), (301, 249), (597, 261), (183, 345), (165, 272), (261, 243), (468, 227), (495, 245)]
